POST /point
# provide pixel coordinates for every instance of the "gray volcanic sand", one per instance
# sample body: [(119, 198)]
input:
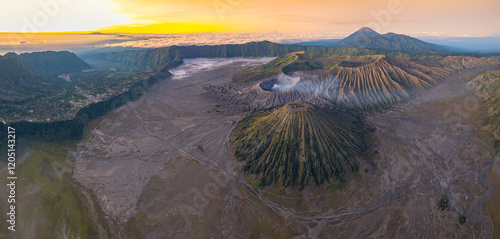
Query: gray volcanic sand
[(161, 167), (426, 148)]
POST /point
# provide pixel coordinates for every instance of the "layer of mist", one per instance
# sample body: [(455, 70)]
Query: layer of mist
[(194, 65)]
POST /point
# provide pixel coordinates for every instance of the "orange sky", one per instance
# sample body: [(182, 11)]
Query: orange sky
[(168, 16)]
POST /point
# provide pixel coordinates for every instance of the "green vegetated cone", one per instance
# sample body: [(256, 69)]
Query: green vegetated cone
[(299, 143)]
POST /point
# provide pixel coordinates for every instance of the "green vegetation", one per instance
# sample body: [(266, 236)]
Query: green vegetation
[(19, 83), (311, 61), (299, 143), (40, 97), (442, 204), (488, 87), (73, 129), (58, 99), (34, 91), (11, 68), (51, 63), (462, 219), (272, 68), (171, 56), (49, 201), (26, 96)]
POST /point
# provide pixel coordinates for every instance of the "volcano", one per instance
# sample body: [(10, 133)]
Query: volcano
[(370, 39), (300, 143)]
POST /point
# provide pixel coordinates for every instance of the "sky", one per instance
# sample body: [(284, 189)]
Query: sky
[(457, 18)]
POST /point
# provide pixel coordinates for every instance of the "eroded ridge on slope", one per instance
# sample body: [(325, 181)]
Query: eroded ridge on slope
[(488, 87), (300, 143), (379, 84), (368, 82)]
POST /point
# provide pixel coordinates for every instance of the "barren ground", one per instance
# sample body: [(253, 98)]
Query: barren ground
[(161, 167)]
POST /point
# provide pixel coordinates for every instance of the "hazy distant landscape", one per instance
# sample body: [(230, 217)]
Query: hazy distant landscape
[(154, 128)]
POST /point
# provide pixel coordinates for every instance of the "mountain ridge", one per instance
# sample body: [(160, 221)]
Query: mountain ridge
[(173, 55), (50, 63), (487, 86), (370, 39), (12, 68), (17, 82)]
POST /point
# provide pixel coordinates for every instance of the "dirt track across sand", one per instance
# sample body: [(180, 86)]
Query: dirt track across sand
[(161, 167)]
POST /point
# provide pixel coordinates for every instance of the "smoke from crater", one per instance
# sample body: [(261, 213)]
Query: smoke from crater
[(285, 83), (321, 86)]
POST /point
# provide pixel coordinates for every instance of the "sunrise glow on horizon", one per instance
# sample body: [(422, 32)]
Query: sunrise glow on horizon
[(467, 18)]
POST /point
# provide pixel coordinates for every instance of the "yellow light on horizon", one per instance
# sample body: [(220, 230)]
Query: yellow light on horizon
[(165, 27), (170, 16)]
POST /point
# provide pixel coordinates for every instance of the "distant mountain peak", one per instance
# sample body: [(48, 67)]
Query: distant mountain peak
[(366, 30), (362, 34), (370, 39)]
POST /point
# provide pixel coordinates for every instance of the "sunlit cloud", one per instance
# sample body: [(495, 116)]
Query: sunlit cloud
[(162, 40), (447, 35), (58, 15), (172, 16)]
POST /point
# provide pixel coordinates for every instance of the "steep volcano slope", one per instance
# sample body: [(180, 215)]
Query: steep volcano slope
[(270, 69), (299, 143), (360, 35), (488, 87), (375, 85), (365, 83)]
